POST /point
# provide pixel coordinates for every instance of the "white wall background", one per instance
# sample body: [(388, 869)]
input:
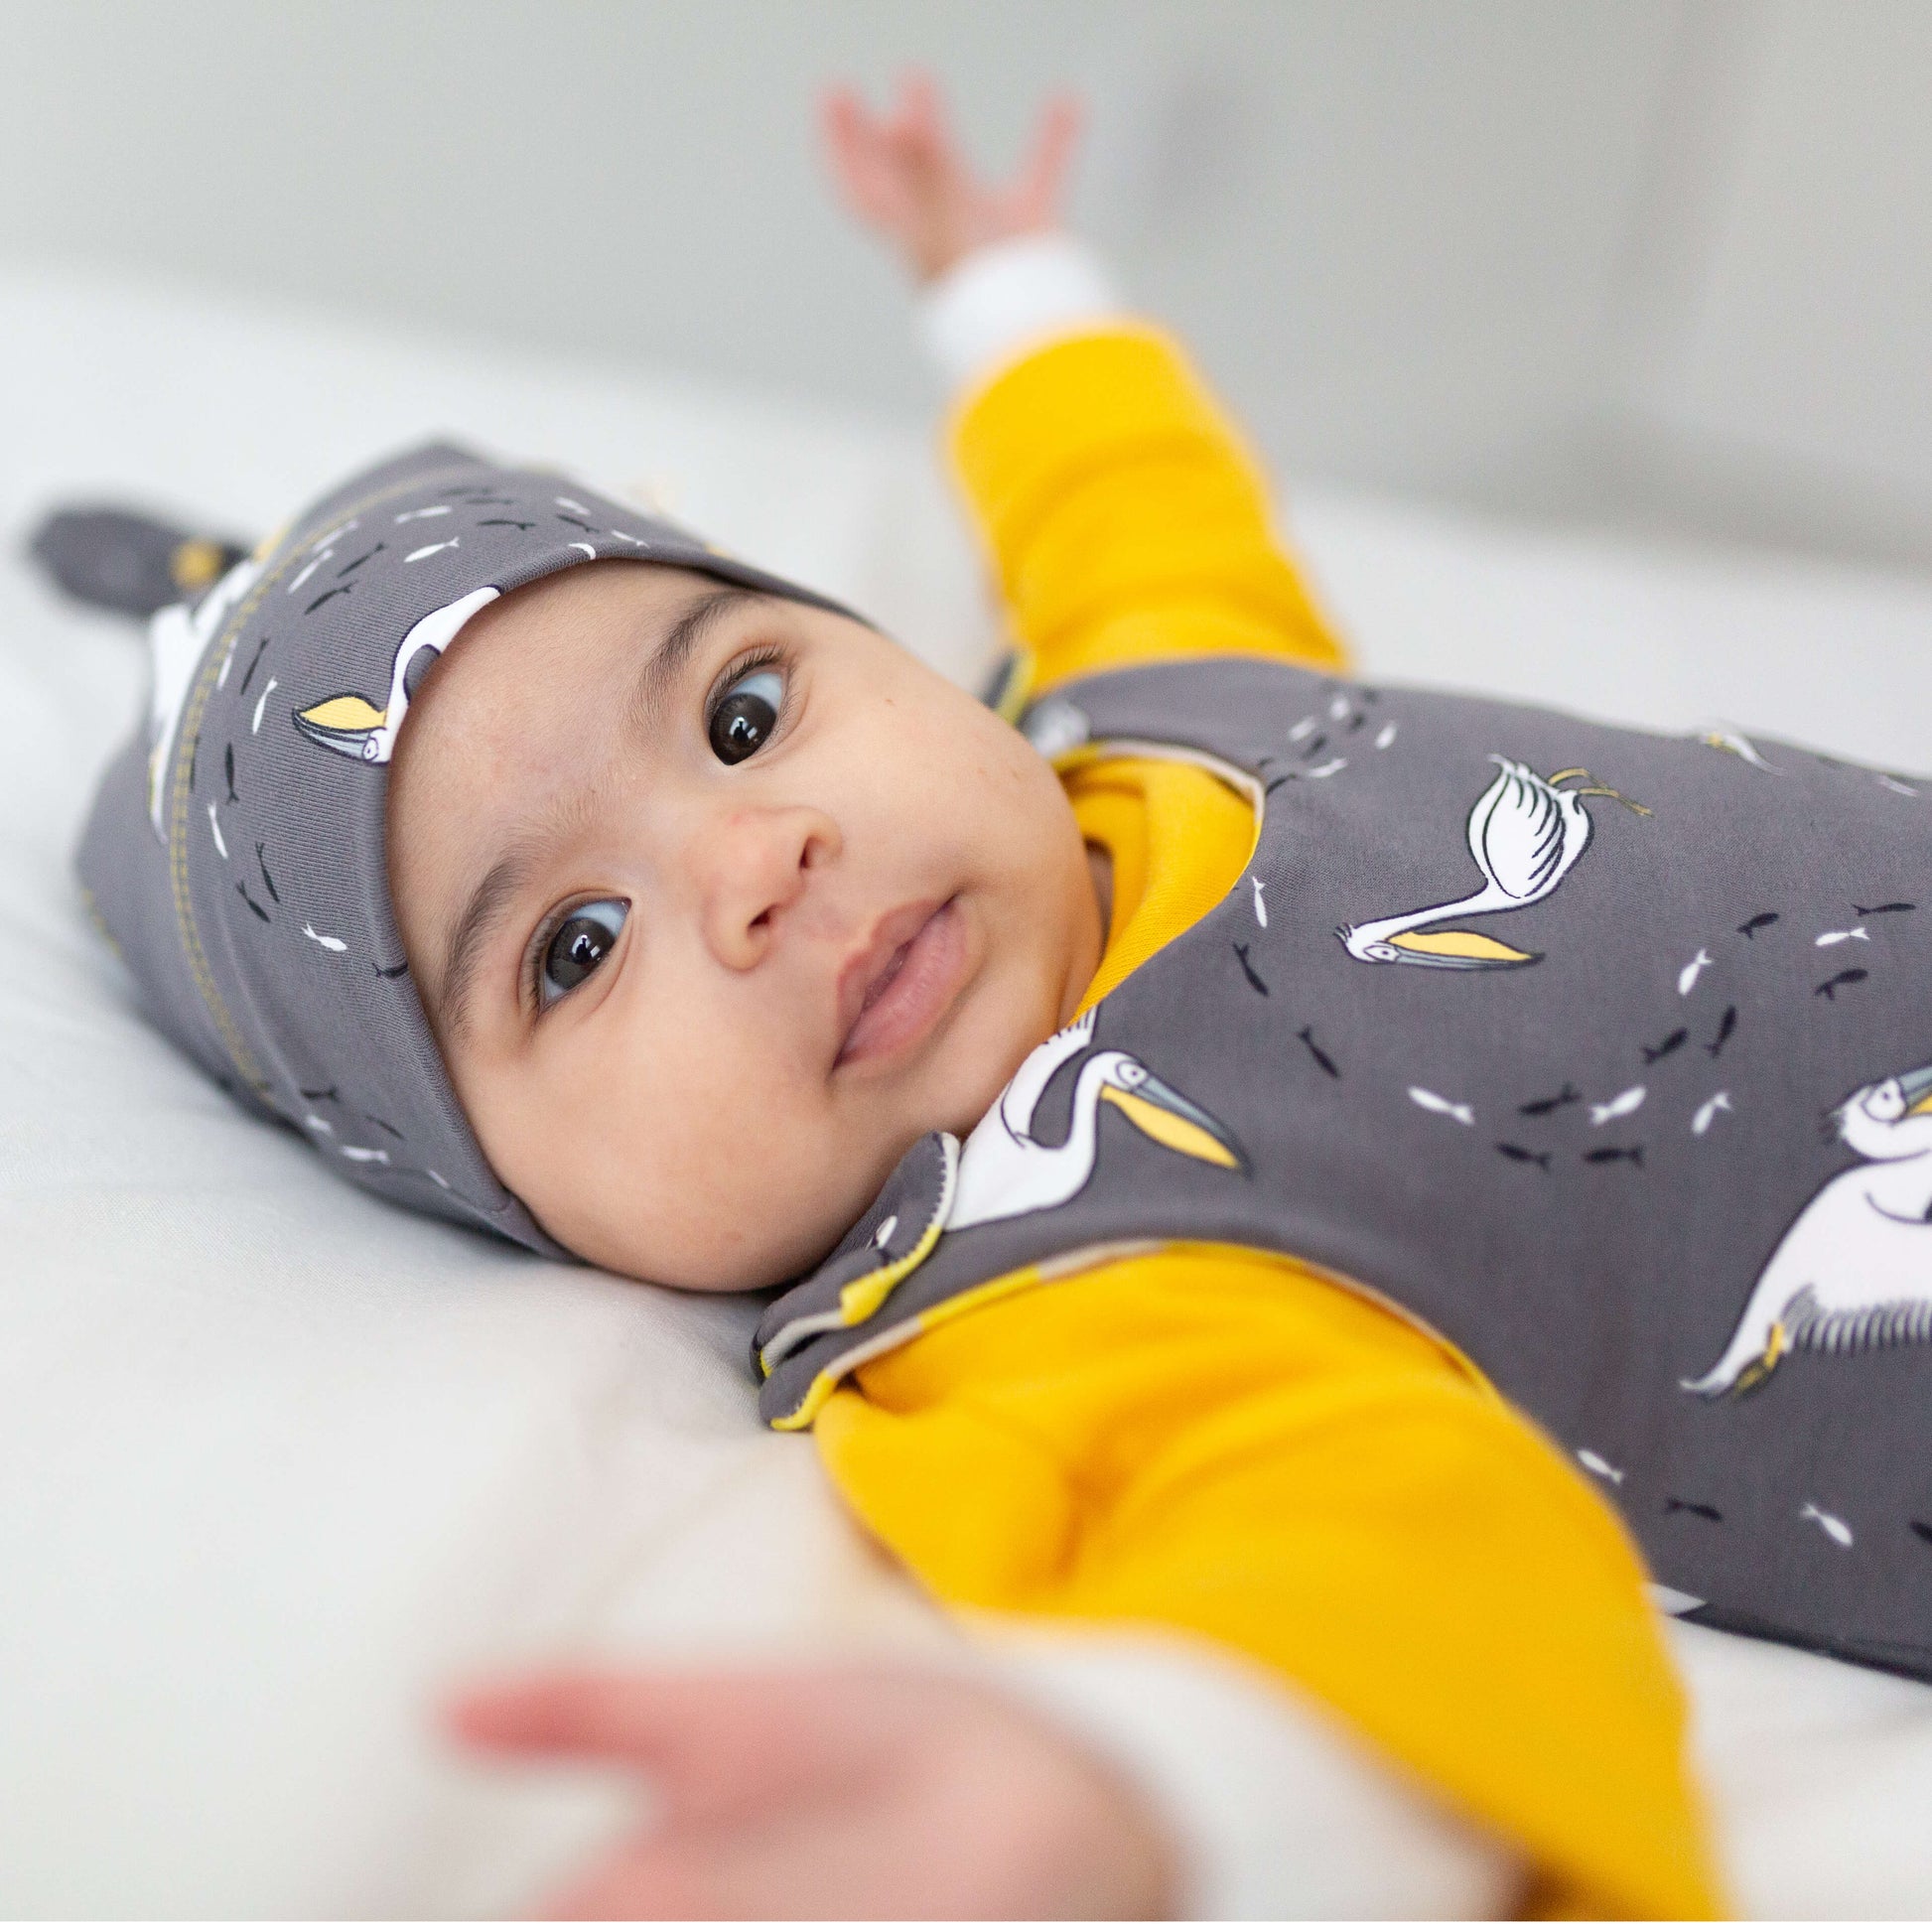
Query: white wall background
[(1667, 261)]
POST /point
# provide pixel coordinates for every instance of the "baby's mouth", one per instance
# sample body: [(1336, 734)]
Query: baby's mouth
[(893, 991)]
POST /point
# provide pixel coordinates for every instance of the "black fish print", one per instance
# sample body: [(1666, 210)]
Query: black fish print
[(576, 523), (1710, 1514), (506, 521), (329, 595), (1922, 1530), (330, 1094), (1518, 1154), (1569, 1093), (1324, 1060), (389, 975), (1726, 1026), (348, 568), (228, 769), (1247, 969), (1316, 742), (390, 1127), (268, 881), (254, 662), (1886, 908), (241, 889), (1634, 1154), (1671, 1043), (1749, 929), (1843, 980)]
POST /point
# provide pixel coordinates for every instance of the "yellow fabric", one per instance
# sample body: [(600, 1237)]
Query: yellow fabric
[(1224, 1442)]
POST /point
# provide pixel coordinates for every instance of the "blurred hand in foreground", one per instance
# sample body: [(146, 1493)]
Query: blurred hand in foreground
[(835, 1792), (904, 175)]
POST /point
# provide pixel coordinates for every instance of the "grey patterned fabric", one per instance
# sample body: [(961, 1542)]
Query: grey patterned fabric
[(235, 850), (1627, 1094)]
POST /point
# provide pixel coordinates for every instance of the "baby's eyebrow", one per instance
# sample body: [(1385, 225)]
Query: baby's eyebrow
[(661, 672), (489, 902)]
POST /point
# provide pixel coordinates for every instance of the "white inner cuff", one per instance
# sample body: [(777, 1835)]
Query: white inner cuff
[(1273, 1810)]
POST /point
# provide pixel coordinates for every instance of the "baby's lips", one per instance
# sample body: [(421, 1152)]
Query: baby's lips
[(871, 970)]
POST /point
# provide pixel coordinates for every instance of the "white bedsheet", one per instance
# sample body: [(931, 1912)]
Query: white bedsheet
[(275, 1461)]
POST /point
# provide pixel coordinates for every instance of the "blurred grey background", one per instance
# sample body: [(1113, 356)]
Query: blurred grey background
[(1652, 263)]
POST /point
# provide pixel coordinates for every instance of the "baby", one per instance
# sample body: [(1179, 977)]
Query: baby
[(1207, 1205)]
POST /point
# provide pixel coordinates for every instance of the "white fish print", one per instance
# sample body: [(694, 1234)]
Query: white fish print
[(576, 508), (1708, 1112), (1835, 1528), (1598, 1467), (228, 662), (214, 828), (309, 570), (1386, 734), (584, 545), (1260, 905), (421, 514), (333, 943), (1896, 786), (1338, 707), (1628, 1104), (261, 702), (319, 1126), (358, 1155), (1443, 1106), (1328, 769), (1302, 728), (1833, 936), (1687, 976), (434, 548), (883, 1233), (334, 535)]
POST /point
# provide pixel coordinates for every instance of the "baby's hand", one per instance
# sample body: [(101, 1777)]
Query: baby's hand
[(836, 1792), (904, 175)]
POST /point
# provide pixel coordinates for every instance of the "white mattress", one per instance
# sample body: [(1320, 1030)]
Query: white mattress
[(276, 1461)]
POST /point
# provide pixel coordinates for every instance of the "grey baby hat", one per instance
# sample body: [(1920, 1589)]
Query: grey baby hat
[(235, 851)]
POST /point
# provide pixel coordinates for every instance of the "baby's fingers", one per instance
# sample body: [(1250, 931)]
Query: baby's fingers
[(862, 164), (1037, 192)]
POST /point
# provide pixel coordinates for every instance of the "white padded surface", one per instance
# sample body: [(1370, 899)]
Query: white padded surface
[(276, 1462)]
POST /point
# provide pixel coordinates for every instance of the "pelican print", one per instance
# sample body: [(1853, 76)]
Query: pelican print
[(352, 725), (1004, 1171), (1854, 1268), (1526, 831)]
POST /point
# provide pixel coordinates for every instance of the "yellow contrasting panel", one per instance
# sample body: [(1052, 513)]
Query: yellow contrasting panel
[(345, 711), (1923, 1106), (1461, 942), (1171, 1131)]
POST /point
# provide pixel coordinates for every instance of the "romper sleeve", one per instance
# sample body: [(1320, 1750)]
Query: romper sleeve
[(1180, 1441), (1124, 519)]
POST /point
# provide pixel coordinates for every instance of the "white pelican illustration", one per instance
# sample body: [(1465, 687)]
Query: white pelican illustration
[(1526, 833), (1004, 1171), (352, 725), (1854, 1268)]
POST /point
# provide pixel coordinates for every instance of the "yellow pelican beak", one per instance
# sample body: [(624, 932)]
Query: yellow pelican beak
[(1460, 948), (343, 722), (1175, 1123)]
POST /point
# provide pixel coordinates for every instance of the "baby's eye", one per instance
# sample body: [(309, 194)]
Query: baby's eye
[(583, 939), (742, 721)]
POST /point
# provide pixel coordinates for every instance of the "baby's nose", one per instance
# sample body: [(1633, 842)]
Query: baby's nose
[(755, 869)]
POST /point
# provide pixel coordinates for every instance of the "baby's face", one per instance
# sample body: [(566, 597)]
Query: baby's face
[(717, 904)]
